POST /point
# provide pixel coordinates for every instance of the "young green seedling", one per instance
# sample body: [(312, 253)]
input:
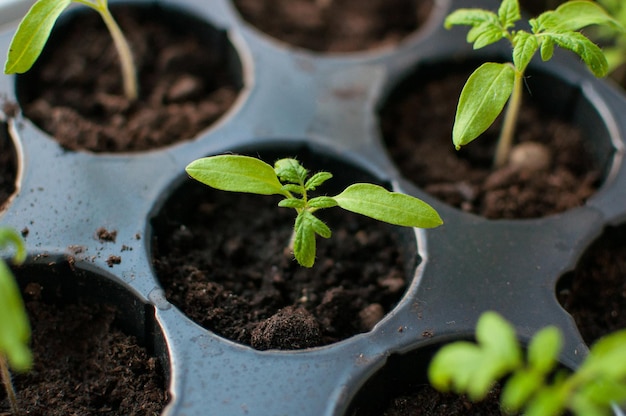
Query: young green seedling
[(289, 179), (534, 384), (14, 326), (34, 31), (492, 85)]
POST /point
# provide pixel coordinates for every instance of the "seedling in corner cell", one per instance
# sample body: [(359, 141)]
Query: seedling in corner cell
[(14, 327), (292, 181), (34, 31), (492, 85), (532, 383)]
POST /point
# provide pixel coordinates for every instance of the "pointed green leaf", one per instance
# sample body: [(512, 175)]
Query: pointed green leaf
[(469, 17), (485, 34), (376, 202), (319, 227), (322, 202), (547, 49), (578, 14), (290, 170), (498, 337), (607, 356), (483, 97), (526, 45), (291, 203), (32, 35), (14, 325), (316, 180), (590, 53), (509, 13), (544, 349), (548, 401), (304, 239), (454, 366), (293, 188), (236, 173), (519, 388)]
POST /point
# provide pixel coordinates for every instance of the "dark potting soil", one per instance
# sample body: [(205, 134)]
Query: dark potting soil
[(595, 292), (336, 25), (221, 258), (75, 91), (417, 122), (84, 365), (423, 400)]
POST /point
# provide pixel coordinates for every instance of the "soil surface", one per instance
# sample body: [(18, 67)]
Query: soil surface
[(595, 293), (84, 365), (423, 400), (417, 122), (75, 93), (221, 258), (336, 25)]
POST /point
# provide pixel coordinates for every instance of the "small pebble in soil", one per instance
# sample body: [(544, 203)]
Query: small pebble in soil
[(530, 156)]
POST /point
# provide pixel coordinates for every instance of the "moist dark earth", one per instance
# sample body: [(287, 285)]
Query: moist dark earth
[(74, 92), (84, 365), (336, 25), (222, 258)]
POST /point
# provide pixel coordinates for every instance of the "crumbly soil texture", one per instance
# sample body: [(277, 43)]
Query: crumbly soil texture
[(84, 365), (423, 400), (74, 92), (336, 25), (595, 292), (416, 123), (222, 258)]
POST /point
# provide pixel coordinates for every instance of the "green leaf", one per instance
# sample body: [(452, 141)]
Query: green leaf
[(322, 202), (376, 202), (470, 17), (304, 239), (607, 356), (293, 188), (509, 13), (290, 170), (485, 34), (578, 14), (519, 388), (548, 401), (316, 180), (544, 349), (236, 174), (32, 35), (590, 53), (14, 326), (483, 97), (454, 366), (319, 227), (547, 49), (474, 368), (526, 45), (292, 203), (603, 392)]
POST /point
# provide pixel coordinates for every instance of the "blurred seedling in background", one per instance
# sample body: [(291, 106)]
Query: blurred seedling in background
[(36, 26), (289, 179), (15, 353), (533, 383)]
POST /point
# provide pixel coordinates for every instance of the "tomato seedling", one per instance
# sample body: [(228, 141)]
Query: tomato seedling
[(291, 180), (492, 85), (35, 28), (532, 382), (14, 327)]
